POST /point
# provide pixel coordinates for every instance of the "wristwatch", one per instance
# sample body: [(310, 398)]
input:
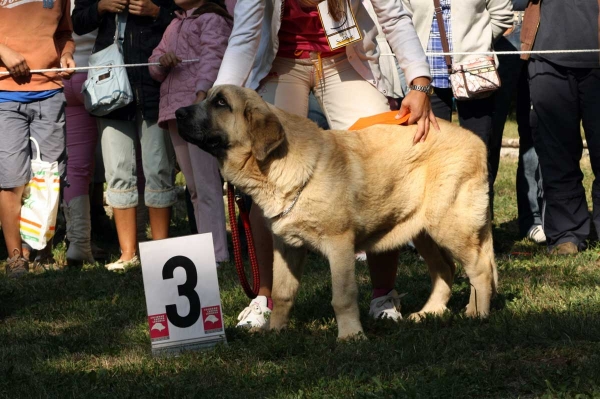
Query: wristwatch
[(427, 89)]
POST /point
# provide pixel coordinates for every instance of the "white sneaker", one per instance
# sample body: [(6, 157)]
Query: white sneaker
[(256, 314), (121, 264), (536, 234), (361, 256), (386, 307)]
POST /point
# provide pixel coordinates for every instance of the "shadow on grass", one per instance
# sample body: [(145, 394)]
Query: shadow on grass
[(85, 333), (507, 356)]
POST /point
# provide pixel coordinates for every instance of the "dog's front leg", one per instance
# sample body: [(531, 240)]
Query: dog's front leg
[(344, 288), (288, 264)]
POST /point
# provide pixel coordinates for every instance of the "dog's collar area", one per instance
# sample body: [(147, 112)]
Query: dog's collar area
[(289, 208)]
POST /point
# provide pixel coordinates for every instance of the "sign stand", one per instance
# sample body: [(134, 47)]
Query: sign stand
[(182, 294)]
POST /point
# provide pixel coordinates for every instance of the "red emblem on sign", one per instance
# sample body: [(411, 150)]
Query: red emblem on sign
[(211, 317), (159, 327)]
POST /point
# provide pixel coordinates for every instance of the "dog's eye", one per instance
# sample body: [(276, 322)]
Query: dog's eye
[(221, 102)]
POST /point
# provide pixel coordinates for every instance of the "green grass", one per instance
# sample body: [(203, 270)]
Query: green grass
[(84, 334)]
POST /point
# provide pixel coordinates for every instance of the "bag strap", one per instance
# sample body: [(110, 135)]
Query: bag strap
[(442, 27), (37, 149), (120, 23)]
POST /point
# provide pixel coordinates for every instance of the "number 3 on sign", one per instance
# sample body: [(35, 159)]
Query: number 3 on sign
[(182, 293), (186, 289)]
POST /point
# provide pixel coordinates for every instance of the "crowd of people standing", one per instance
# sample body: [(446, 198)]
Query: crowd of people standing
[(280, 48)]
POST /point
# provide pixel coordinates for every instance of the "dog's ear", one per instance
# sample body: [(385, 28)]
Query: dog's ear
[(265, 130)]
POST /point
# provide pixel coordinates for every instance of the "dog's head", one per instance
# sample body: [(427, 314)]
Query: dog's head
[(231, 121)]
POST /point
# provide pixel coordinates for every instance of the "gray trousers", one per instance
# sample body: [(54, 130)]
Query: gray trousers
[(43, 120)]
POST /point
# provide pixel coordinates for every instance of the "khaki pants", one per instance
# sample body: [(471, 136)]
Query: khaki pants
[(343, 94)]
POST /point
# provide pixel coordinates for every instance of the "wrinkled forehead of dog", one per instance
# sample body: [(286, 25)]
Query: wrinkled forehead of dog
[(235, 97), (246, 118)]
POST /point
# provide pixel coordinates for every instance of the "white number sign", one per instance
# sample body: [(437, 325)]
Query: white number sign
[(182, 293)]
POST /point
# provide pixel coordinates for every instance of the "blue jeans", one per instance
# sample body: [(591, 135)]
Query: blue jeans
[(513, 75)]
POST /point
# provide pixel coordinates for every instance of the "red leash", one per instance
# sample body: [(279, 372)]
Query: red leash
[(237, 246)]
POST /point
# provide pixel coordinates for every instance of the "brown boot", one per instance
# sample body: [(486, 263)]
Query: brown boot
[(17, 265), (565, 248)]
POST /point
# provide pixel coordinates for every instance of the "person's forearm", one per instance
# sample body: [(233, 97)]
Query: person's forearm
[(421, 81)]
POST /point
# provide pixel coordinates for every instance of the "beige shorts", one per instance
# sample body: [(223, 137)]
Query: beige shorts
[(342, 93)]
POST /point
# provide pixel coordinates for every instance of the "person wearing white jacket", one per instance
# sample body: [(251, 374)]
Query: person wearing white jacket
[(279, 48)]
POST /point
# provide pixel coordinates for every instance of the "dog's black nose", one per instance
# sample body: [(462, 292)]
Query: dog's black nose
[(181, 113)]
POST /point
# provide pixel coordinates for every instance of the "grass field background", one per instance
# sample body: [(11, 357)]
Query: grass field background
[(73, 334)]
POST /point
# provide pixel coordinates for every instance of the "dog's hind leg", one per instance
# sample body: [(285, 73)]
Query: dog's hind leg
[(288, 265), (479, 264), (441, 270), (340, 253)]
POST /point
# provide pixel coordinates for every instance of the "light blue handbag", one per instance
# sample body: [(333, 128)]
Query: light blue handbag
[(107, 89)]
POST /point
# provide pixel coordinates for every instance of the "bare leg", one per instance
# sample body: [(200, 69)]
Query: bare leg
[(126, 231), (160, 218), (383, 268), (263, 244), (288, 265), (10, 213)]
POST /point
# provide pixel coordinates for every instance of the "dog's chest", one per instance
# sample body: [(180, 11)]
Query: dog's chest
[(294, 233)]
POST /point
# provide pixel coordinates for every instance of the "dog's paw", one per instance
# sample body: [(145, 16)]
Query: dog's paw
[(416, 317), (471, 311), (419, 316), (360, 336)]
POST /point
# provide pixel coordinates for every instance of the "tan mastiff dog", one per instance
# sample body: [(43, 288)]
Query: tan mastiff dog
[(338, 192)]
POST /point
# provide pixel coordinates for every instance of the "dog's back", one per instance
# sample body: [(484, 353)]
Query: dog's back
[(385, 177)]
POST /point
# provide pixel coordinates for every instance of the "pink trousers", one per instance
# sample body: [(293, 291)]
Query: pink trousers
[(82, 136), (203, 180)]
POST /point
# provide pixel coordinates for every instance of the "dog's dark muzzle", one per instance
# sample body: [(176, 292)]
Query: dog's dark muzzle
[(191, 115), (191, 123), (193, 126)]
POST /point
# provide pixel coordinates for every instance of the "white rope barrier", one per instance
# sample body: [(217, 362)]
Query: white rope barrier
[(78, 69), (516, 52)]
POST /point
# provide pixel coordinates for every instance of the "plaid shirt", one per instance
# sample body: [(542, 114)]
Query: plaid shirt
[(439, 69)]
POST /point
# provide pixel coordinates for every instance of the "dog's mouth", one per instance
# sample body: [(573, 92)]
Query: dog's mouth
[(215, 143)]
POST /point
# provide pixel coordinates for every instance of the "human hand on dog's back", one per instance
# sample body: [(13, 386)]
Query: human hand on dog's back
[(418, 105)]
